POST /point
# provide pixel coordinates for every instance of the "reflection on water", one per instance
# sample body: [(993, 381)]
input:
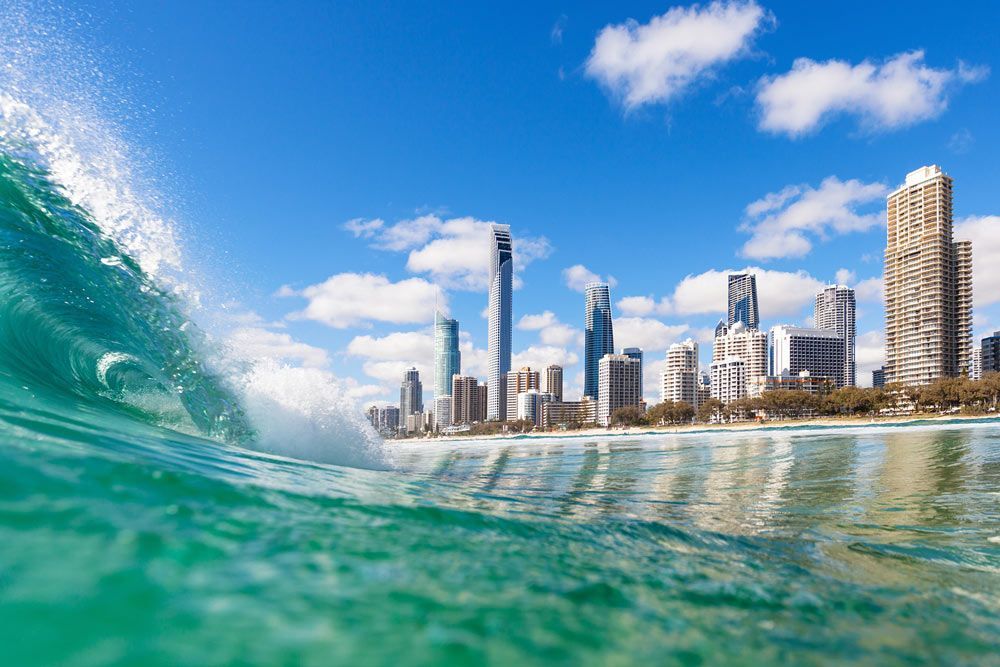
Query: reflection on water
[(871, 501)]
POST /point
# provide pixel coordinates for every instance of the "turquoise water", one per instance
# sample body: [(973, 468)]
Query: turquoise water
[(142, 547)]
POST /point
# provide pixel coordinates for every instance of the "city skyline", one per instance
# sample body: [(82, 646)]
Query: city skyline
[(701, 170)]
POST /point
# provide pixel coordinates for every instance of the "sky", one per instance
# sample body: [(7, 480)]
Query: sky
[(333, 166)]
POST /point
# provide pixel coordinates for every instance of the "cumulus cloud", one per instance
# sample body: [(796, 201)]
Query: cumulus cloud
[(655, 62), (869, 354), (870, 289), (540, 356), (651, 335), (640, 306), (257, 343), (352, 299), (387, 357), (578, 275), (550, 330), (781, 293), (897, 93), (984, 232), (454, 252), (781, 224)]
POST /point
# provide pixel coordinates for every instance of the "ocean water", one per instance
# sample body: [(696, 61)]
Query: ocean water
[(128, 545)]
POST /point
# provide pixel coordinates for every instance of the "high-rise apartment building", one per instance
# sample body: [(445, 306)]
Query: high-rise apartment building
[(729, 379), (411, 396), (928, 283), (738, 344), (743, 300), (447, 357), (465, 400), (878, 378), (976, 365), (636, 353), (680, 376), (599, 338), (552, 381), (797, 349), (835, 309), (619, 379), (990, 347), (520, 381), (500, 315)]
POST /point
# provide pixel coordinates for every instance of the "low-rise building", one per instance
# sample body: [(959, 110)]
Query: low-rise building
[(559, 414)]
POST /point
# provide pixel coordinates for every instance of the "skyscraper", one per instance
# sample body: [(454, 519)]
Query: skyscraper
[(500, 314), (835, 310), (743, 300), (619, 378), (928, 283), (599, 338), (411, 396), (552, 381), (635, 353), (680, 377), (447, 358)]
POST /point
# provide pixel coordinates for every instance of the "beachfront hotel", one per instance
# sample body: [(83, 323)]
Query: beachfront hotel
[(928, 283), (819, 352), (500, 314)]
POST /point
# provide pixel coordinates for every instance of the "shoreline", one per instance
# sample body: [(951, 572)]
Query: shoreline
[(824, 423)]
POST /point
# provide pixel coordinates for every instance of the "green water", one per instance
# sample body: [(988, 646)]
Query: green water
[(874, 547)]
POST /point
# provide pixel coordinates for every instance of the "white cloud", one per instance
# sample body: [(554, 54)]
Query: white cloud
[(256, 343), (577, 277), (780, 293), (869, 354), (387, 357), (845, 276), (870, 289), (656, 61), (540, 356), (653, 336), (455, 252), (351, 299), (550, 330), (884, 96), (984, 232), (640, 306), (364, 229), (781, 223)]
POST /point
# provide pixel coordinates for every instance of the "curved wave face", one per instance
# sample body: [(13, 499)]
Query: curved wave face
[(93, 316), (82, 325)]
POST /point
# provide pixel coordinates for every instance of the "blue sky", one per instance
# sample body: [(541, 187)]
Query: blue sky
[(331, 163)]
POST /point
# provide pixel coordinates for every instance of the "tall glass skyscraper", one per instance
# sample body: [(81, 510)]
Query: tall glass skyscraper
[(599, 335), (500, 314), (447, 358), (743, 300)]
